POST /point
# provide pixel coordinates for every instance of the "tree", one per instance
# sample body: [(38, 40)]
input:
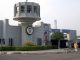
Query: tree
[(57, 36)]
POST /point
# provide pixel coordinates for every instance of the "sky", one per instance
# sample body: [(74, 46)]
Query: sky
[(66, 12)]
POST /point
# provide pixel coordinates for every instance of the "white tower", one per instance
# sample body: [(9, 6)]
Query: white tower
[(55, 24), (26, 13)]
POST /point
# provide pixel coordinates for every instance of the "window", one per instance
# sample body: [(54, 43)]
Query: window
[(22, 8), (29, 8), (39, 41), (10, 42), (35, 9), (3, 41), (0, 41)]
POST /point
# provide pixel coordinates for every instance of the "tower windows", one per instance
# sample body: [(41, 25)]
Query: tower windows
[(17, 9), (29, 8), (35, 9), (22, 8)]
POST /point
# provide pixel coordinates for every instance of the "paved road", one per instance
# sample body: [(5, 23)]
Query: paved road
[(48, 56)]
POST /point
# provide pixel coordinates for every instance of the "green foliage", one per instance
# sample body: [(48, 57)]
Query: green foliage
[(7, 48), (57, 36), (25, 48), (29, 43)]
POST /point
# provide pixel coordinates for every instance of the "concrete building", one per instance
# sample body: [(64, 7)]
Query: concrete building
[(78, 39), (42, 34), (26, 13), (8, 32), (68, 34)]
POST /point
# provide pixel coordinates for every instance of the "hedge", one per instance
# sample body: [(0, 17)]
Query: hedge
[(7, 48), (25, 48)]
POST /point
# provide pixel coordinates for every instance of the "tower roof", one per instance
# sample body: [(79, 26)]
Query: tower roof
[(27, 12)]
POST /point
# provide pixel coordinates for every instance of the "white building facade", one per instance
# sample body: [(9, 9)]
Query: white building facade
[(26, 13), (40, 35)]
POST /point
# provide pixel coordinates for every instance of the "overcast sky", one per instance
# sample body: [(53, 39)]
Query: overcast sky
[(66, 12)]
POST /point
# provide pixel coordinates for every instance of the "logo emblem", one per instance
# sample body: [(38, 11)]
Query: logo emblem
[(29, 30)]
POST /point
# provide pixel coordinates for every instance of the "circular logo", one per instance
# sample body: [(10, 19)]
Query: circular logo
[(29, 30)]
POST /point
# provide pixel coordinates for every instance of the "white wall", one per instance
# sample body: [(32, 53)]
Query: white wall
[(13, 32), (1, 29), (72, 34), (39, 32)]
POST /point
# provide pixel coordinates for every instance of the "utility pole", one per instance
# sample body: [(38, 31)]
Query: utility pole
[(26, 0)]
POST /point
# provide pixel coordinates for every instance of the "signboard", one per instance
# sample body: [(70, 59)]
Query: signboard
[(29, 30)]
